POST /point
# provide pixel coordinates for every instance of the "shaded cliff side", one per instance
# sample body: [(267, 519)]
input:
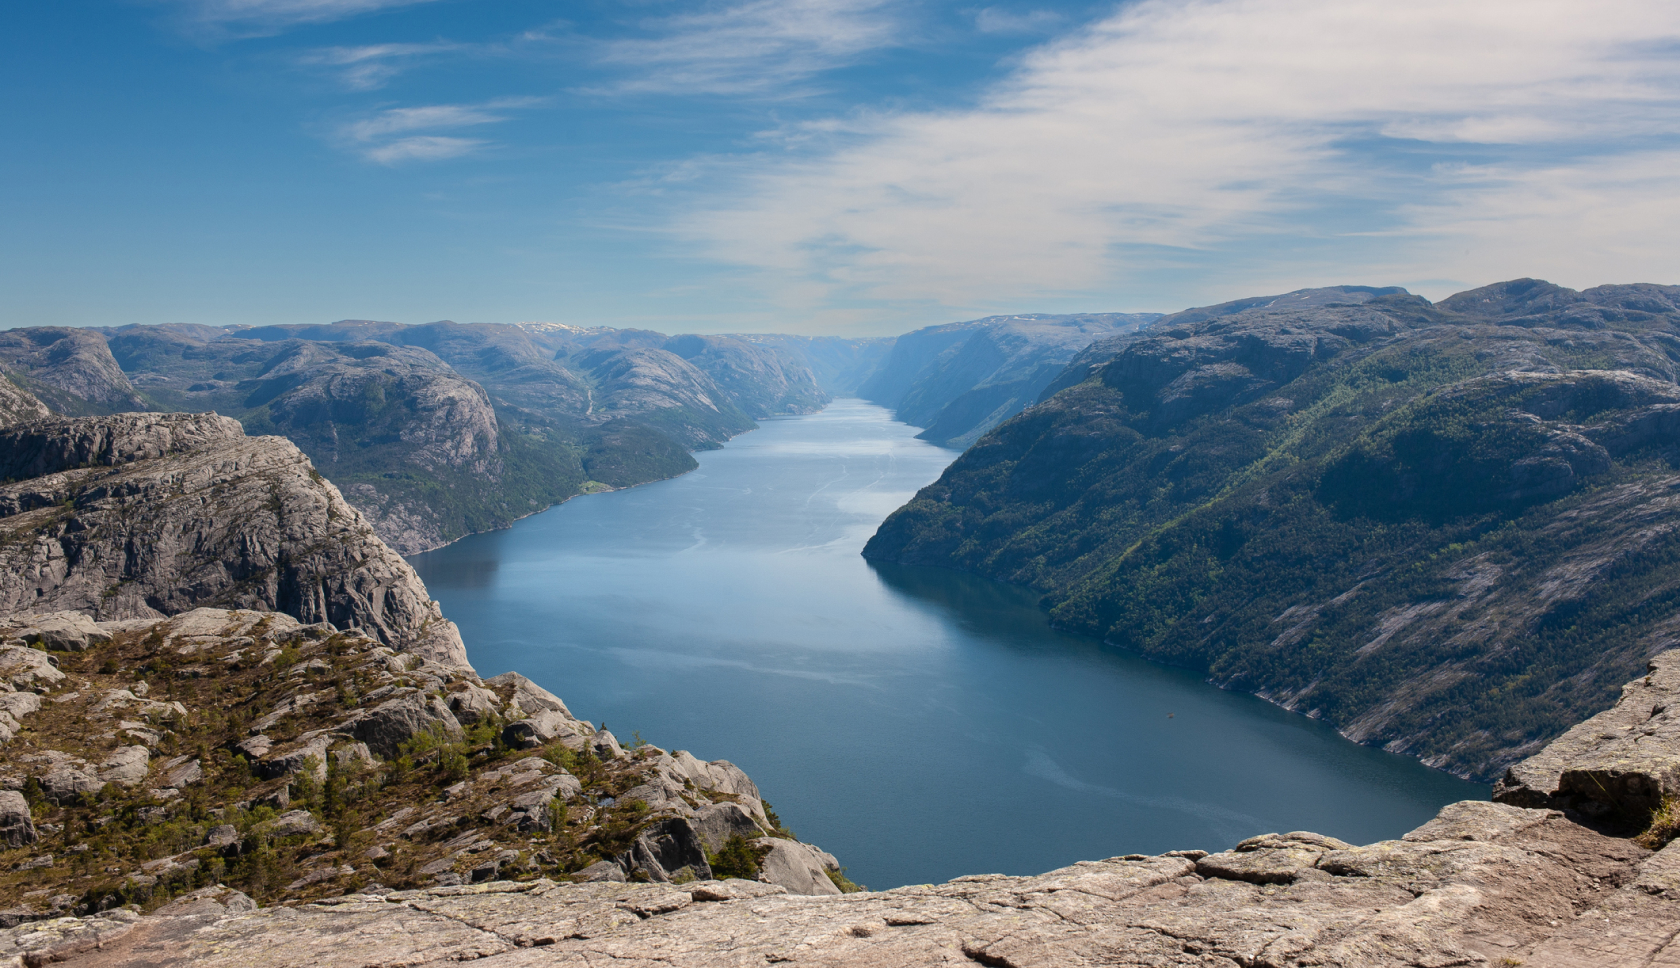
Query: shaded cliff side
[(960, 380)]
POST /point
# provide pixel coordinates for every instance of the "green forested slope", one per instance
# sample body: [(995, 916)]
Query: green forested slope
[(1446, 529)]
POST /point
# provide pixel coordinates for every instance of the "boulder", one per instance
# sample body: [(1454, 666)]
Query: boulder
[(601, 870), (352, 757), (255, 747), (290, 824), (285, 764), (17, 827), (542, 727), (222, 835), (529, 697), (126, 766), (669, 849), (717, 823), (605, 746), (217, 899), (180, 771), (472, 704), (63, 782), (26, 668), (799, 868), (387, 726), (60, 631)]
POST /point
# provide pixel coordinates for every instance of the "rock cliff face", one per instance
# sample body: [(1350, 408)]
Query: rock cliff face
[(1448, 533), (1481, 884), (147, 515), (960, 380)]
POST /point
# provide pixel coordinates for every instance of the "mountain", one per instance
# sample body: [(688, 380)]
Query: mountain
[(440, 430), (213, 673), (1448, 530), (146, 515), (960, 380), (840, 365), (69, 369), (187, 784)]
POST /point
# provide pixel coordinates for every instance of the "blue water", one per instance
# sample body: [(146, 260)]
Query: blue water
[(918, 723)]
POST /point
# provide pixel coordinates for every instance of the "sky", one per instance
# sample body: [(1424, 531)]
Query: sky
[(851, 167)]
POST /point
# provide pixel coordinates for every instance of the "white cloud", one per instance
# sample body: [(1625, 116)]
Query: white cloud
[(421, 148), (997, 20), (392, 136), (1252, 130), (270, 16), (368, 67), (756, 47)]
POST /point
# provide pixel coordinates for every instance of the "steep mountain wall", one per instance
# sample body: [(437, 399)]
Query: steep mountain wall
[(1450, 534), (960, 380)]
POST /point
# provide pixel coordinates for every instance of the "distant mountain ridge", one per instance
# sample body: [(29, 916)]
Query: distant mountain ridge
[(414, 421), (959, 380), (1447, 529)]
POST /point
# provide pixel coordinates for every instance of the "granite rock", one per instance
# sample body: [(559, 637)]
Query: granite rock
[(145, 515)]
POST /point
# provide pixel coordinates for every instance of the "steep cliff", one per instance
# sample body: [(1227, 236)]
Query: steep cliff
[(147, 515), (1449, 533), (764, 381), (960, 380)]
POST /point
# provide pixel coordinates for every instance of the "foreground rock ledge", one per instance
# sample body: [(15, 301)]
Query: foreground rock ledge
[(1483, 883)]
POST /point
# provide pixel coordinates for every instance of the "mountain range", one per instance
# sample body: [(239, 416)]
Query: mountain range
[(1447, 529)]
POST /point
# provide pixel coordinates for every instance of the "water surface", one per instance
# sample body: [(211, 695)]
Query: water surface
[(918, 723)]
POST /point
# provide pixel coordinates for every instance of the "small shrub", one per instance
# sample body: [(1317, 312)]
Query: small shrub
[(737, 858), (1664, 825), (844, 883)]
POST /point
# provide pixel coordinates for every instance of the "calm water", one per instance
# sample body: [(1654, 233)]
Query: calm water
[(918, 723)]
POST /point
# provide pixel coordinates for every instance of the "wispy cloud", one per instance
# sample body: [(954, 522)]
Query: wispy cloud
[(271, 16), (1297, 139), (997, 20), (758, 47), (369, 67), (395, 135)]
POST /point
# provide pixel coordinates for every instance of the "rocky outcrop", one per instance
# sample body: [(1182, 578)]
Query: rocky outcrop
[(1483, 883), (146, 515), (18, 405), (301, 760), (1617, 767), (1534, 890)]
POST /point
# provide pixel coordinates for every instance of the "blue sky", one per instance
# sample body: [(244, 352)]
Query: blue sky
[(843, 166)]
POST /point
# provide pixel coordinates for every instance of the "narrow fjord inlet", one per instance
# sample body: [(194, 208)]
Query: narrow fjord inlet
[(919, 723)]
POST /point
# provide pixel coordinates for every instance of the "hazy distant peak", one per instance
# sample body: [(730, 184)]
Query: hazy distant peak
[(1299, 299)]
